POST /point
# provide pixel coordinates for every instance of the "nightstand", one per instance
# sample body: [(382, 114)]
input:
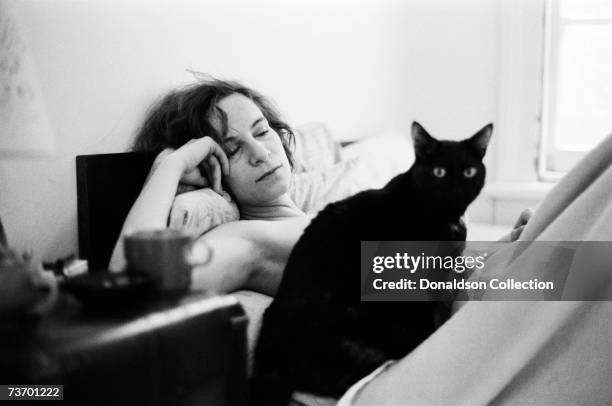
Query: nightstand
[(186, 351)]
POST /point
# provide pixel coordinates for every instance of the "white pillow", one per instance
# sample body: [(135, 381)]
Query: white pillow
[(200, 210), (315, 148), (367, 164), (312, 190), (382, 157)]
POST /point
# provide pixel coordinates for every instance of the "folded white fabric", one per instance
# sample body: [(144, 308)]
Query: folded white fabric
[(312, 190)]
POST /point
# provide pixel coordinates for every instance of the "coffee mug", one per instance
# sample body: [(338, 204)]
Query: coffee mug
[(167, 256)]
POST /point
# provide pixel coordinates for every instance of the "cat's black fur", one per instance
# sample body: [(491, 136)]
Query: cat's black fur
[(317, 336)]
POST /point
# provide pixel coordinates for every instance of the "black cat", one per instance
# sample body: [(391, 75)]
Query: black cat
[(317, 336)]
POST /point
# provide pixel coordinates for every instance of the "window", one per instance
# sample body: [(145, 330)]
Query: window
[(577, 102)]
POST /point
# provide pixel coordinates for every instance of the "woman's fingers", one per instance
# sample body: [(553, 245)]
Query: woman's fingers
[(516, 233), (519, 226), (505, 238), (204, 163), (513, 235), (212, 172), (195, 178), (206, 148), (523, 218), (215, 169), (219, 153)]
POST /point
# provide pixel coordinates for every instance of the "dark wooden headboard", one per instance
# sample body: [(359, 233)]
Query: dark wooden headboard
[(107, 186)]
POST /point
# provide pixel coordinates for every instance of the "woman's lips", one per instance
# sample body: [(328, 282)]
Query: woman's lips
[(270, 172)]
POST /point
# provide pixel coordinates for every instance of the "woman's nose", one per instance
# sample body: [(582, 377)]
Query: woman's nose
[(259, 154)]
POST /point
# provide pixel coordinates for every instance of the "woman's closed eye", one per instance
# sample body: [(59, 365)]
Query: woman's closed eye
[(233, 149)]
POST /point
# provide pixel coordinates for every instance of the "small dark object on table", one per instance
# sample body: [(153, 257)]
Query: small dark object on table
[(106, 292)]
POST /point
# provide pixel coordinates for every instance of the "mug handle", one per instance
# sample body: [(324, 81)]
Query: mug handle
[(199, 254)]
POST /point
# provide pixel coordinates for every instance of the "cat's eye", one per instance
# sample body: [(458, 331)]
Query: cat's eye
[(470, 172), (439, 172)]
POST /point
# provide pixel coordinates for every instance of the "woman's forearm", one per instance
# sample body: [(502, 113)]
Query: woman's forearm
[(151, 208)]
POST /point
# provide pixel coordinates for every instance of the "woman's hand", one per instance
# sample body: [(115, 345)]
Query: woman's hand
[(190, 163), (519, 226), (202, 162)]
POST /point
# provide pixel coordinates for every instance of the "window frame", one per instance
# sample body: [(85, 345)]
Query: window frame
[(554, 162), (517, 131)]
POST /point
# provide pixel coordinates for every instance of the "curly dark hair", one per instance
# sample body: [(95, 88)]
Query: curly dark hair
[(184, 113)]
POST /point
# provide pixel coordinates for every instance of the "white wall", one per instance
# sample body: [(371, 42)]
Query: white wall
[(362, 67)]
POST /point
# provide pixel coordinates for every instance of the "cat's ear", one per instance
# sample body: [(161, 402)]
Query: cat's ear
[(424, 144), (480, 140)]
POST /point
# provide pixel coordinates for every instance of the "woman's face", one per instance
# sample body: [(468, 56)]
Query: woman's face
[(259, 168)]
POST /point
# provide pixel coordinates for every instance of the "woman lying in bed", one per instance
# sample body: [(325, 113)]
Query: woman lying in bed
[(221, 134)]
